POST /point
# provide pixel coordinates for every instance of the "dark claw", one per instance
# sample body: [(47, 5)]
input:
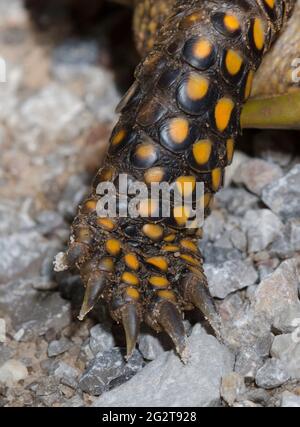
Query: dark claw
[(196, 292), (131, 324), (170, 320), (77, 254), (94, 288)]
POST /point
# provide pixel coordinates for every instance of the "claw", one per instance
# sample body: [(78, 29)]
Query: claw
[(77, 254), (196, 292), (170, 320), (131, 324), (94, 288)]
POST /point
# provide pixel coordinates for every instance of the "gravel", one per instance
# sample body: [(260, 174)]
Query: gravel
[(230, 277), (272, 374), (282, 195), (57, 114), (256, 174), (290, 400), (165, 381), (286, 348)]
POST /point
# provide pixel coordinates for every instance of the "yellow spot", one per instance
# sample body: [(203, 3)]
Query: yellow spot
[(179, 130), (106, 223), (106, 174), (106, 264), (231, 23), (202, 151), (216, 177), (233, 62), (270, 3), (186, 185), (118, 137), (132, 293), (230, 149), (152, 27), (205, 200), (113, 247), (189, 259), (192, 19), (223, 112), (83, 235), (165, 294), (131, 261), (170, 248), (153, 231), (159, 262), (155, 174), (197, 87), (130, 278), (258, 33), (170, 238), (90, 205), (202, 49), (148, 208), (181, 215), (144, 151), (189, 245), (196, 271), (249, 82), (159, 281)]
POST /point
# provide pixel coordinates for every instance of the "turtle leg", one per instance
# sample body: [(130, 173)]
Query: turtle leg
[(178, 125)]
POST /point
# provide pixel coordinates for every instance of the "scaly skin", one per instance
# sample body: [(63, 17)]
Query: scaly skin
[(178, 123)]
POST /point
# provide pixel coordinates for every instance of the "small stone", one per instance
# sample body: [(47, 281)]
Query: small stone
[(262, 227), (150, 346), (257, 395), (287, 348), (86, 355), (288, 320), (19, 334), (75, 402), (101, 338), (230, 306), (237, 201), (2, 330), (278, 291), (101, 371), (230, 277), (295, 234), (28, 248), (213, 226), (267, 267), (248, 330), (272, 374), (133, 365), (66, 374), (216, 255), (57, 347), (239, 239), (238, 159), (12, 371), (49, 221), (289, 400), (246, 404), (232, 387), (282, 195), (34, 311), (256, 174), (6, 353), (248, 362), (165, 381)]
